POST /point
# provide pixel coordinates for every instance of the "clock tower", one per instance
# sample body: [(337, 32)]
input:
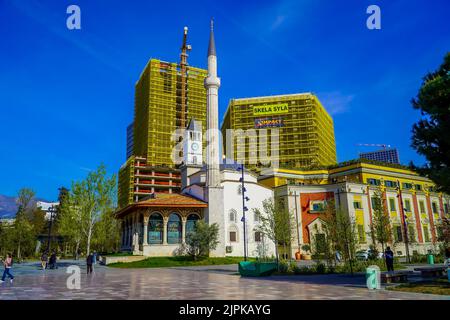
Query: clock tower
[(192, 148)]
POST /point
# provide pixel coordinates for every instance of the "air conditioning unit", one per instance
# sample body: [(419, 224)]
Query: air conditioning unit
[(228, 249)]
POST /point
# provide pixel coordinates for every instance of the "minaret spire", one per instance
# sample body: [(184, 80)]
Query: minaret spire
[(214, 192), (212, 84), (212, 44)]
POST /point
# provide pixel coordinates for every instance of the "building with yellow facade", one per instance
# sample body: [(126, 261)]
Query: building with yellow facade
[(414, 207), (164, 101), (306, 131)]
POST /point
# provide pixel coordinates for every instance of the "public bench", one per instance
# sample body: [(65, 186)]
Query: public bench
[(430, 272), (393, 277)]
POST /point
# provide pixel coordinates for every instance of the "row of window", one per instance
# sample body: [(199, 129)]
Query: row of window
[(394, 184), (257, 236), (406, 205), (233, 216), (174, 228)]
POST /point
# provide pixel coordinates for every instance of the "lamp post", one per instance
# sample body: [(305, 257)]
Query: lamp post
[(405, 228), (52, 210), (296, 218), (244, 208)]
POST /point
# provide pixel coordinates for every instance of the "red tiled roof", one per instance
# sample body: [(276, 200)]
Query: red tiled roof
[(171, 200)]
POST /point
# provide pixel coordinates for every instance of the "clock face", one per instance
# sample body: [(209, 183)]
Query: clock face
[(194, 146)]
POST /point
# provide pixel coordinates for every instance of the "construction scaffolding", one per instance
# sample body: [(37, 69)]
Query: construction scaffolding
[(306, 131), (167, 95), (158, 99)]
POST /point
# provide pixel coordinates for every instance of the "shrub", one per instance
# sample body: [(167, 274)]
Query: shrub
[(303, 270), (320, 268), (283, 266), (203, 239), (293, 266)]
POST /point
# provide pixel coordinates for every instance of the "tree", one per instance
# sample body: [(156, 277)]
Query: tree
[(444, 232), (25, 202), (202, 239), (23, 235), (276, 223), (431, 135), (69, 222), (330, 239), (107, 232), (85, 205), (341, 232), (381, 227)]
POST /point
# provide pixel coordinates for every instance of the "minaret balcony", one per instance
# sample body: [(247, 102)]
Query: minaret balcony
[(212, 82)]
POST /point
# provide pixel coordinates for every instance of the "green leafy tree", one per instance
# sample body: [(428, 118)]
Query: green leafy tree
[(276, 223), (347, 235), (69, 223), (107, 233), (340, 234), (444, 232), (23, 233), (202, 239), (330, 240), (381, 228), (431, 135), (88, 201)]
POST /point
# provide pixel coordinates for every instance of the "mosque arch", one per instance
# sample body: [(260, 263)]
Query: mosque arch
[(191, 220), (155, 228), (174, 228)]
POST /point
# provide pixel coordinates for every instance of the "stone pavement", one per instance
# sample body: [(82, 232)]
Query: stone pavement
[(206, 282)]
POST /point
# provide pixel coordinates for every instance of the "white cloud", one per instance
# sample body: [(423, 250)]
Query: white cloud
[(336, 102)]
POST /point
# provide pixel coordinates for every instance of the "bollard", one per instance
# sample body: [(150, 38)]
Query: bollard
[(430, 258), (373, 277)]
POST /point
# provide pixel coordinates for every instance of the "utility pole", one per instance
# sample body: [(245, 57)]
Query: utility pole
[(405, 228)]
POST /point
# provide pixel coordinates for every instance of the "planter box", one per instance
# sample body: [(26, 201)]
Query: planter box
[(306, 257), (105, 260), (257, 269)]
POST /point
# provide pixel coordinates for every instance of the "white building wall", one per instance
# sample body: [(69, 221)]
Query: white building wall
[(233, 201)]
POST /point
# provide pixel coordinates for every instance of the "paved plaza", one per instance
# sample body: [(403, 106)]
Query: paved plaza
[(206, 282)]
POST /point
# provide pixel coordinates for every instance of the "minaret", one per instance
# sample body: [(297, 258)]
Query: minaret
[(212, 84), (213, 190)]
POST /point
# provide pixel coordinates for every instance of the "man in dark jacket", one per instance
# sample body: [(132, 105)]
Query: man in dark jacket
[(89, 261), (52, 261), (389, 257)]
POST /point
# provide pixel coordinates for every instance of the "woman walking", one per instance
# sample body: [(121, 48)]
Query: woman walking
[(8, 266)]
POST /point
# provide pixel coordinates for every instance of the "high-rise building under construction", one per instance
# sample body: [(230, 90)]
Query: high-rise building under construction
[(306, 131), (167, 96)]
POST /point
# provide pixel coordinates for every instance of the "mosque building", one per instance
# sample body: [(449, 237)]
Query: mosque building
[(223, 193)]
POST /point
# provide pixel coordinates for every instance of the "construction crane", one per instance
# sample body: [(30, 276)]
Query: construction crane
[(183, 64), (384, 146)]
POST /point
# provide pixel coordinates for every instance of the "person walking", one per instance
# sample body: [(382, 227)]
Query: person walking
[(8, 266), (338, 257), (52, 262), (44, 259), (89, 263), (94, 258), (389, 257)]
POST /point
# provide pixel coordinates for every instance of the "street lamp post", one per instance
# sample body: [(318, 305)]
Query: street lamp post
[(244, 209), (405, 228), (296, 218), (51, 210)]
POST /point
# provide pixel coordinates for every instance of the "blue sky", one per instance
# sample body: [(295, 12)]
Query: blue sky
[(66, 96)]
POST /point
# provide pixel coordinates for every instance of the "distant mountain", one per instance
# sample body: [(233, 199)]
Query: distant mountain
[(8, 206)]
